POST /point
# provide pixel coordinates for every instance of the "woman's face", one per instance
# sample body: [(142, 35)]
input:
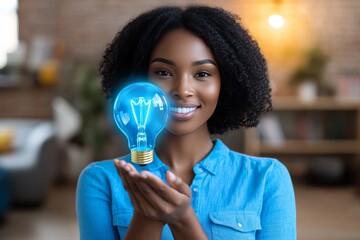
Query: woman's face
[(183, 66)]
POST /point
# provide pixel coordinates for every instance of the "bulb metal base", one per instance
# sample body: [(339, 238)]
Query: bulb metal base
[(142, 158)]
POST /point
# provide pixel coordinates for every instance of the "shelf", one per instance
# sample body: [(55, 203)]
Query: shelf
[(296, 130), (311, 147), (322, 103), (26, 102)]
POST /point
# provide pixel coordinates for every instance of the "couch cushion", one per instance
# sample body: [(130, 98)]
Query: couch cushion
[(6, 139), (29, 136)]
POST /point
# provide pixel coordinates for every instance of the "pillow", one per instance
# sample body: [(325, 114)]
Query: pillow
[(6, 139)]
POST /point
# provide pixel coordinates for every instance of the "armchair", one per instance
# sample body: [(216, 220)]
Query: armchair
[(33, 163)]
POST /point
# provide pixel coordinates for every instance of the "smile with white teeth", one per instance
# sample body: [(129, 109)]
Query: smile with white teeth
[(182, 109)]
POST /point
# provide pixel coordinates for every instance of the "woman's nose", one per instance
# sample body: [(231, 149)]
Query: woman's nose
[(182, 88)]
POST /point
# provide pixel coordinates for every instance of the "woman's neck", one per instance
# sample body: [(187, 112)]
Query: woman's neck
[(181, 153)]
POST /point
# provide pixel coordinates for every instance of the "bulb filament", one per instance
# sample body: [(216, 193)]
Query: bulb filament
[(140, 109)]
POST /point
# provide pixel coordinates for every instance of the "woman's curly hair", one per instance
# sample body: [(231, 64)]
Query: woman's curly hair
[(245, 89)]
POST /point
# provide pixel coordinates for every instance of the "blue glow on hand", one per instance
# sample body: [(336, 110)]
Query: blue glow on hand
[(141, 111)]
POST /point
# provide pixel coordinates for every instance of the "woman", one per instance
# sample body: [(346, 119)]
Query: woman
[(216, 80)]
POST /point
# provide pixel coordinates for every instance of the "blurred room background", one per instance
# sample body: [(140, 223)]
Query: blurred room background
[(54, 119)]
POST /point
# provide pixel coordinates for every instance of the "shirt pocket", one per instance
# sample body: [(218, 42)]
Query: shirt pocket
[(234, 225), (122, 221)]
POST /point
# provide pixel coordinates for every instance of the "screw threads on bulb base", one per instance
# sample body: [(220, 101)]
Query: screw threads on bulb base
[(142, 157)]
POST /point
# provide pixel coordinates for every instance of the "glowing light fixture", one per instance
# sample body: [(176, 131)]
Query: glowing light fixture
[(276, 21), (141, 111)]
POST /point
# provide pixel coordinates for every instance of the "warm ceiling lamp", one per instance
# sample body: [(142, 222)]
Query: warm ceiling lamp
[(276, 20)]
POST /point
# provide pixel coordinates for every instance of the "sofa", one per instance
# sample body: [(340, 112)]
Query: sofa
[(32, 162)]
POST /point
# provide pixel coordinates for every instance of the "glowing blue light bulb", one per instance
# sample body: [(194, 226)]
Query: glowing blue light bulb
[(141, 111)]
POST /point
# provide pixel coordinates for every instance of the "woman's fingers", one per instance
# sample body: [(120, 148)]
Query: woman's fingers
[(157, 202), (143, 196), (177, 193), (119, 165), (178, 184), (152, 196), (128, 173), (124, 170), (172, 201)]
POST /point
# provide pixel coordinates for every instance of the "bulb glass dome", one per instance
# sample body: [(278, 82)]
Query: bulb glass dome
[(141, 111)]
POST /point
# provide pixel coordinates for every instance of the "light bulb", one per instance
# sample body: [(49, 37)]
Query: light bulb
[(141, 111), (276, 21)]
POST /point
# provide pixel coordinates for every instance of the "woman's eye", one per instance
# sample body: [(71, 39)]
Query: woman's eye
[(163, 73), (202, 74)]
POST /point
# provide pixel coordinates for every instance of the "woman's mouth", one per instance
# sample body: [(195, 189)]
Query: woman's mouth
[(183, 113), (182, 109)]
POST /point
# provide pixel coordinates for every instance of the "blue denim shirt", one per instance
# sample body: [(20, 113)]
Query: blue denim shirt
[(235, 196)]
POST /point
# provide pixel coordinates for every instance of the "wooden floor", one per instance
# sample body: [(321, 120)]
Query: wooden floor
[(327, 213), (323, 213), (56, 220)]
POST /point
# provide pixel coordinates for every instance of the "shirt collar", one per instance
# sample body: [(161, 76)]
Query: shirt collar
[(209, 163)]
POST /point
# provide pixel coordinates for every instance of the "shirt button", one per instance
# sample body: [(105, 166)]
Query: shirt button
[(239, 225), (195, 189)]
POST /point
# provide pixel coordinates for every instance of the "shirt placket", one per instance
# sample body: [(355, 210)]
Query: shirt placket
[(196, 188)]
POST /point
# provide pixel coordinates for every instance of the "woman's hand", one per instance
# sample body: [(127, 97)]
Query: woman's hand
[(152, 197)]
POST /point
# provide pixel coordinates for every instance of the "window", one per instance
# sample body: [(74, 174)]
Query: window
[(9, 37)]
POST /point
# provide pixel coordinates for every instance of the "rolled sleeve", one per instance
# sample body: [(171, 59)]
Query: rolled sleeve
[(278, 215), (93, 205)]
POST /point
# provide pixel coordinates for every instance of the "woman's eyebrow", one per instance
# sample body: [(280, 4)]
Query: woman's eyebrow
[(163, 60), (204, 61), (196, 63)]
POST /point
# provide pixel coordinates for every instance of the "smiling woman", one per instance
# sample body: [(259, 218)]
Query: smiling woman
[(184, 67), (215, 78)]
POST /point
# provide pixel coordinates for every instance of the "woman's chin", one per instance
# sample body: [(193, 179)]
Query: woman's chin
[(182, 129)]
